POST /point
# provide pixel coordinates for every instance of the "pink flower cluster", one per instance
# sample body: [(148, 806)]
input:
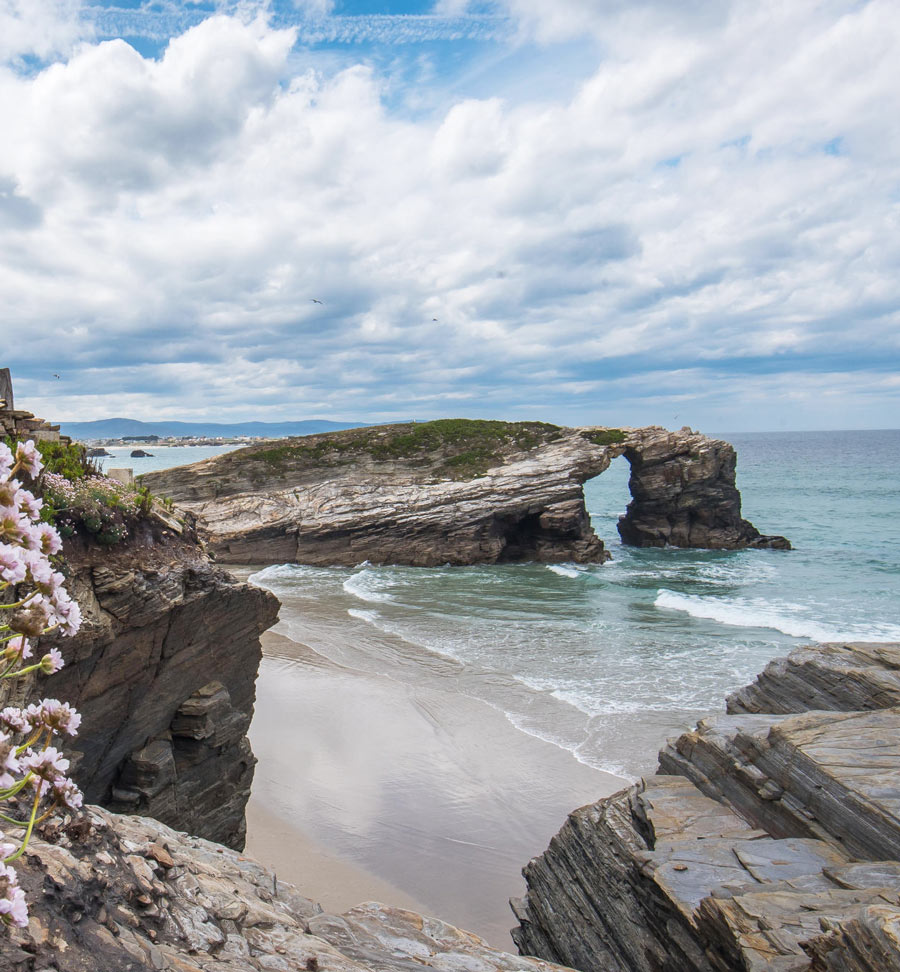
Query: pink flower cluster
[(33, 602), (13, 909)]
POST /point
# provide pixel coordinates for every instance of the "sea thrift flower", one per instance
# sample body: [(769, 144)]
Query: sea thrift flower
[(47, 766), (29, 505), (13, 909), (29, 458), (12, 524), (66, 613), (10, 493), (51, 542), (52, 714), (35, 602), (67, 794), (12, 564), (18, 649), (52, 662), (9, 763), (12, 719)]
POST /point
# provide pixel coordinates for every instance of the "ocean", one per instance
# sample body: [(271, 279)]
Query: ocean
[(576, 655), (160, 457)]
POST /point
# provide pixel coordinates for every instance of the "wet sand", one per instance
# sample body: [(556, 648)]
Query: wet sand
[(369, 787)]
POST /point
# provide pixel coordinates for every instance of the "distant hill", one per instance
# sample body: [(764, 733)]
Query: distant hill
[(117, 428)]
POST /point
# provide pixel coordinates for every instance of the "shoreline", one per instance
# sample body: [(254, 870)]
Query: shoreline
[(372, 788)]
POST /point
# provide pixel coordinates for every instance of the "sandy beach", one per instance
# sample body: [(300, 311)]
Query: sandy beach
[(369, 787)]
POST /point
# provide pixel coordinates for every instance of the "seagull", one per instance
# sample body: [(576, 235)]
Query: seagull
[(313, 299), (434, 320), (56, 375)]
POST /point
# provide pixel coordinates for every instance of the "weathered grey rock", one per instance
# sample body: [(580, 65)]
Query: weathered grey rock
[(834, 775), (684, 494), (345, 498), (116, 893), (867, 943), (163, 672), (844, 677), (621, 886), (774, 843)]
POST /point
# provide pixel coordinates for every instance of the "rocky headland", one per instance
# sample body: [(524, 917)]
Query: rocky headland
[(769, 840), (460, 492)]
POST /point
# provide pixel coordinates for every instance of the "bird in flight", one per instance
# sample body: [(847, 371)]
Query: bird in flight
[(313, 299), (56, 375)]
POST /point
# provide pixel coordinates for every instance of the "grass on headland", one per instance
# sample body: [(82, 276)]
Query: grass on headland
[(605, 437), (456, 448)]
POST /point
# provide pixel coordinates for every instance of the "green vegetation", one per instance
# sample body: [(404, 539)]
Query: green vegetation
[(64, 460), (458, 448), (93, 505), (78, 498), (605, 437)]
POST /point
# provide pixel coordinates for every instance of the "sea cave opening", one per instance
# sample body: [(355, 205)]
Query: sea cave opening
[(606, 497), (522, 536)]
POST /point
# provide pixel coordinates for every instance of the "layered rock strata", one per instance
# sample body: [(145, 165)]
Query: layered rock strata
[(767, 840), (163, 672), (684, 494), (123, 893), (352, 496)]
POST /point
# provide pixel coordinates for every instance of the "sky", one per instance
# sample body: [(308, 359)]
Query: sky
[(611, 212)]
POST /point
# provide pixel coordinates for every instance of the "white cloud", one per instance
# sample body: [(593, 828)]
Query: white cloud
[(39, 28), (718, 197)]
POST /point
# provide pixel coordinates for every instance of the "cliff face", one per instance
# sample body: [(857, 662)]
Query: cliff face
[(163, 672), (768, 841), (357, 495), (108, 893)]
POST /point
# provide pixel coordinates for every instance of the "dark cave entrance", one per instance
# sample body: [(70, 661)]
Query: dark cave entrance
[(523, 536)]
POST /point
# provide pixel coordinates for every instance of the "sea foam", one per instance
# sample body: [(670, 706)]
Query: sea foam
[(364, 585), (789, 619), (564, 570)]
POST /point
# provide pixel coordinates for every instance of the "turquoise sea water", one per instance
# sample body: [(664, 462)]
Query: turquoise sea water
[(582, 656), (161, 457)]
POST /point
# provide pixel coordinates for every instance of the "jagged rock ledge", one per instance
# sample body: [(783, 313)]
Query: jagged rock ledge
[(769, 840), (458, 492), (128, 894)]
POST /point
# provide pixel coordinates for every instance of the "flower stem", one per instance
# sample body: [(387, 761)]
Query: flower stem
[(27, 837)]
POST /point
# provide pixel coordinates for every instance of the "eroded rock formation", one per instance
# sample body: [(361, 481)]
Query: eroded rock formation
[(684, 494), (163, 671), (770, 840), (398, 494), (117, 893)]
